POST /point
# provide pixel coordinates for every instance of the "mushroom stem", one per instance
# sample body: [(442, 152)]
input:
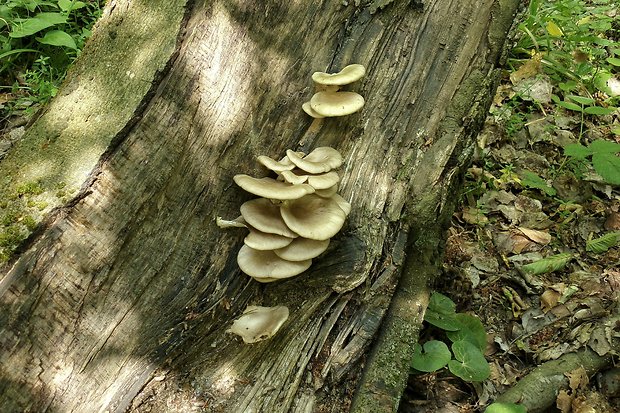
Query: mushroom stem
[(312, 131)]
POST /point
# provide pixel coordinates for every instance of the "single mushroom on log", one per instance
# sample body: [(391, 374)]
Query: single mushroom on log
[(259, 323)]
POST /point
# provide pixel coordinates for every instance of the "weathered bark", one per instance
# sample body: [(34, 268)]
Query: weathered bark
[(122, 299)]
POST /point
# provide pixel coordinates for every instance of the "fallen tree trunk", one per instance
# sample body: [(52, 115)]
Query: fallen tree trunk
[(121, 298)]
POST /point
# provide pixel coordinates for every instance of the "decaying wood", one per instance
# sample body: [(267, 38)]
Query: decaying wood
[(122, 299), (539, 389)]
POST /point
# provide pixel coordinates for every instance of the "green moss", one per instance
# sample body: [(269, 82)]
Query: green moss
[(29, 222), (11, 236), (8, 218), (29, 188)]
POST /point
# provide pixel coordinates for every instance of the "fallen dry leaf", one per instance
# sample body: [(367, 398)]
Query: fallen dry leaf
[(613, 221), (514, 242), (564, 402), (578, 379), (549, 299), (529, 69), (540, 237)]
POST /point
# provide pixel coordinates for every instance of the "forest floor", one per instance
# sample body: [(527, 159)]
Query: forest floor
[(533, 250)]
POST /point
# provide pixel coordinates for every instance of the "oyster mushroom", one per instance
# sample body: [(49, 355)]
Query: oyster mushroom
[(322, 159), (331, 104), (348, 74), (272, 189), (313, 217), (259, 323), (266, 264)]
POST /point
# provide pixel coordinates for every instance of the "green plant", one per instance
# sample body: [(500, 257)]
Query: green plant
[(576, 45), (531, 180), (468, 338), (549, 264), (39, 39), (603, 243), (603, 155)]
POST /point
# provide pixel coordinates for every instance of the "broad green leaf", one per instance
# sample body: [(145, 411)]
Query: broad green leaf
[(568, 85), (68, 5), (602, 244), (37, 23), (471, 330), (553, 29), (570, 106), (614, 61), (597, 110), (603, 42), (601, 80), (575, 150), (584, 20), (498, 407), (58, 38), (531, 180), (603, 146), (470, 364), (581, 99), (607, 165), (433, 357), (549, 264), (441, 312), (616, 130)]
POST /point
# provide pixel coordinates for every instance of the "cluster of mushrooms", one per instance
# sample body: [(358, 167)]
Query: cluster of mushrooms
[(296, 216), (330, 101), (298, 211)]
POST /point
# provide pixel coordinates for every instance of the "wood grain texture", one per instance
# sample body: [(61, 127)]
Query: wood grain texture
[(123, 300)]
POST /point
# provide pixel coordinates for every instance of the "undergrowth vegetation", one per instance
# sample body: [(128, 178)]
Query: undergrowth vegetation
[(535, 244), (39, 39)]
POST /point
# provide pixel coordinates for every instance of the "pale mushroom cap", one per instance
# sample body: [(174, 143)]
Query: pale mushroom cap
[(342, 203), (277, 166), (302, 249), (320, 181), (323, 181), (263, 215), (322, 159), (266, 264), (348, 74), (263, 241), (259, 323), (272, 189), (313, 217), (309, 111), (292, 178), (327, 193), (330, 104)]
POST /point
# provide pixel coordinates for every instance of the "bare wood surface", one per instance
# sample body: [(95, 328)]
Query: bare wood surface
[(123, 300)]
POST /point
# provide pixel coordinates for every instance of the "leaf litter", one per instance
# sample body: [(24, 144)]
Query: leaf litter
[(534, 249)]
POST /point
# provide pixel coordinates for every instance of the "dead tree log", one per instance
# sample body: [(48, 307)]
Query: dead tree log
[(121, 298)]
